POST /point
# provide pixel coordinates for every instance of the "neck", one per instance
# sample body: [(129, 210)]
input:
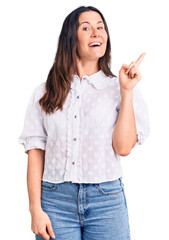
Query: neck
[(87, 68)]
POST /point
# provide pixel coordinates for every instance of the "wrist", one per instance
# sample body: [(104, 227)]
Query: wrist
[(126, 93), (35, 209)]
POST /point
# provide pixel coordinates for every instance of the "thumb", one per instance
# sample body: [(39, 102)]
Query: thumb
[(50, 230)]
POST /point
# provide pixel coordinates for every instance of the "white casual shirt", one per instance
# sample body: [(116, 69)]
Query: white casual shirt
[(78, 140)]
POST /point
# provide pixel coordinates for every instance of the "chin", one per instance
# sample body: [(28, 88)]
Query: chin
[(96, 56)]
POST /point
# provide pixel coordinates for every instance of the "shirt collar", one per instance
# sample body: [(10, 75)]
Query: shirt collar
[(99, 80)]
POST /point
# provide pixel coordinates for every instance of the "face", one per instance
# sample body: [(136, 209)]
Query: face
[(91, 36)]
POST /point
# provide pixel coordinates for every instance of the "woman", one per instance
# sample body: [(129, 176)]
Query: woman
[(77, 125)]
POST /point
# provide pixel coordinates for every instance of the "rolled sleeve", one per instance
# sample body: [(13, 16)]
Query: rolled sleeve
[(141, 116), (34, 134)]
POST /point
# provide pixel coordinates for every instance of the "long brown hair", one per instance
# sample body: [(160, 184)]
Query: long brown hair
[(61, 73)]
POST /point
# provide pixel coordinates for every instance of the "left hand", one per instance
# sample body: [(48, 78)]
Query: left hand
[(129, 76)]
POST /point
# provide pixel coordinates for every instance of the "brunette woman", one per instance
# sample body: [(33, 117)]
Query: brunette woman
[(78, 123)]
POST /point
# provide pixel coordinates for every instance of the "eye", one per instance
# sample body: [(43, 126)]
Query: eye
[(85, 29), (100, 28)]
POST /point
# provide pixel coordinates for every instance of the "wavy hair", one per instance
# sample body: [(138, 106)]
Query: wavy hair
[(60, 76)]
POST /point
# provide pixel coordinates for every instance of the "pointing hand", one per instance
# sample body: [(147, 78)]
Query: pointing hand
[(129, 75)]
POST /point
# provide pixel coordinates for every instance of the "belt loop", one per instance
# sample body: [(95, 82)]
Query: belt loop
[(120, 179)]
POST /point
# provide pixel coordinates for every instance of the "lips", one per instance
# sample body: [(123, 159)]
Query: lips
[(95, 44)]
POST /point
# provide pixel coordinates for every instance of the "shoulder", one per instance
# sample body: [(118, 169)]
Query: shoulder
[(112, 81), (38, 91)]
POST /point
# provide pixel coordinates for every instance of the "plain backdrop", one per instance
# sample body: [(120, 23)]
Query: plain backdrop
[(28, 43)]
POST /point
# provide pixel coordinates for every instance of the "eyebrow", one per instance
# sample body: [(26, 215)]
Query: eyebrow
[(90, 23)]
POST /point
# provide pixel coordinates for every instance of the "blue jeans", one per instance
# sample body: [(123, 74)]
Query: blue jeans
[(88, 211)]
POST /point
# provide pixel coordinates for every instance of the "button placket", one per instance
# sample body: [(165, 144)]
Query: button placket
[(75, 116), (75, 130)]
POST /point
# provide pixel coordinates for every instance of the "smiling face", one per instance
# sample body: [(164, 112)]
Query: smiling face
[(91, 36)]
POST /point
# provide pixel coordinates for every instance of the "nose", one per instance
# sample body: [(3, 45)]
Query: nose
[(95, 32)]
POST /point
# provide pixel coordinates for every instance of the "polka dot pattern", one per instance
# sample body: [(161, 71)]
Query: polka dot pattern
[(78, 140)]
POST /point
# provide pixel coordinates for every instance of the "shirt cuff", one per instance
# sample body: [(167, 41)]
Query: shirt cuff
[(33, 143), (140, 139)]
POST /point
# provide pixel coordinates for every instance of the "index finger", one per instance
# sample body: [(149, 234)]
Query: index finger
[(138, 61)]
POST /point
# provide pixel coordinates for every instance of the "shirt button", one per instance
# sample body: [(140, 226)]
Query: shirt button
[(74, 139), (75, 116), (73, 162), (77, 96)]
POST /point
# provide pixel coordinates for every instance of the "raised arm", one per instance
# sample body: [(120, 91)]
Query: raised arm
[(125, 132), (124, 135)]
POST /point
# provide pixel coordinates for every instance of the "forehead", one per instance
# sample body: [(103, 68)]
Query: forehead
[(90, 16)]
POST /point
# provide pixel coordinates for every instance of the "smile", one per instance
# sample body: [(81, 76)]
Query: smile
[(95, 44)]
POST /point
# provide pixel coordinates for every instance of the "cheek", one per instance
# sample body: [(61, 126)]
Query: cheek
[(105, 38), (81, 49), (82, 45)]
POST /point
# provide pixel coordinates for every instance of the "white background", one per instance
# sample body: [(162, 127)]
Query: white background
[(29, 35)]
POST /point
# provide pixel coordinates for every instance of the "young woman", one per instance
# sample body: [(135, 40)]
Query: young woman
[(77, 125)]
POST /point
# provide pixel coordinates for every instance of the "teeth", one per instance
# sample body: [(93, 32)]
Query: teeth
[(95, 44)]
